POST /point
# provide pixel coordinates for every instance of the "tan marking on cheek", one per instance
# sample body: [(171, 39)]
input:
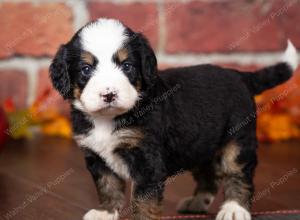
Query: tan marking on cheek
[(138, 86), (122, 54), (87, 58), (77, 93)]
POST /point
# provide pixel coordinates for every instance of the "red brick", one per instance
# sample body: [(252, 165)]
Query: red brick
[(54, 100), (13, 84), (33, 30), (290, 24), (163, 66), (223, 26), (141, 17)]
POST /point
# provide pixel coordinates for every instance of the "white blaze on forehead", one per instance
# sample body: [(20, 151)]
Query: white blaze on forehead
[(103, 38)]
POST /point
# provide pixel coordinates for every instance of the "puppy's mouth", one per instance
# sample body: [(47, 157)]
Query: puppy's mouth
[(110, 110)]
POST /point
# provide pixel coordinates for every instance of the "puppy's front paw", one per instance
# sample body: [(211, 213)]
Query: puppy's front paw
[(233, 211), (94, 214)]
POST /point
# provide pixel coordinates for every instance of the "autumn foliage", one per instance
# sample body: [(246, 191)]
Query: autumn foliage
[(40, 117), (279, 112)]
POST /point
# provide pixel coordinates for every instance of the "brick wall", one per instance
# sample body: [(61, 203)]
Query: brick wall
[(240, 33)]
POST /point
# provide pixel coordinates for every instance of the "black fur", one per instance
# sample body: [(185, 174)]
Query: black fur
[(267, 78), (59, 72)]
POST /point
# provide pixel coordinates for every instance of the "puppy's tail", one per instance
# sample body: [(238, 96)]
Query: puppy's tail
[(272, 76)]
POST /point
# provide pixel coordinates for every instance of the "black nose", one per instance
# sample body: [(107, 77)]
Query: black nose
[(109, 97)]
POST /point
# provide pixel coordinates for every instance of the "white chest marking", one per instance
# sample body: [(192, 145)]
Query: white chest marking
[(103, 141)]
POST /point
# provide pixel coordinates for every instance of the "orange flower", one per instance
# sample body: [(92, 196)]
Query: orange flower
[(58, 127), (276, 127)]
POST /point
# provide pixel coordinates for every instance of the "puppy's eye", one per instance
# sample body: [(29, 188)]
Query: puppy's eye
[(127, 67), (86, 70)]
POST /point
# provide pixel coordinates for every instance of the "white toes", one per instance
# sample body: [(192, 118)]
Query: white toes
[(100, 215), (233, 211)]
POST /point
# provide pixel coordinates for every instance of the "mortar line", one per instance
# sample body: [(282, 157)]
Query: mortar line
[(80, 13), (161, 27), (31, 67), (240, 58)]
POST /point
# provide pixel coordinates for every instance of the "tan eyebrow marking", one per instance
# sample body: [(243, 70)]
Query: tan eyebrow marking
[(87, 57), (122, 54)]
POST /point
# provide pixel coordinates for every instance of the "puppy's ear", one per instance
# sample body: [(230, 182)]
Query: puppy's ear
[(149, 63), (59, 73)]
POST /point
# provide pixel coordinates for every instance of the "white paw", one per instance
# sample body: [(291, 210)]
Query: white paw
[(198, 203), (233, 211), (94, 214)]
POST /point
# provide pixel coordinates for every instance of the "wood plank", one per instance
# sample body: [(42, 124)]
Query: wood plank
[(27, 168)]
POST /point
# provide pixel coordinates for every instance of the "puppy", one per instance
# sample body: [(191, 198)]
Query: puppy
[(135, 122)]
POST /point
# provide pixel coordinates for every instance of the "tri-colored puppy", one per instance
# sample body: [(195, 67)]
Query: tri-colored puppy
[(136, 122)]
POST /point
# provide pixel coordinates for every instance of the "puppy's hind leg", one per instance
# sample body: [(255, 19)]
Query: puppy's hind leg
[(238, 164), (207, 187)]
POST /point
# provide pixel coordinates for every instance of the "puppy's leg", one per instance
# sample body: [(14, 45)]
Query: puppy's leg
[(110, 189), (207, 187), (146, 202), (237, 165)]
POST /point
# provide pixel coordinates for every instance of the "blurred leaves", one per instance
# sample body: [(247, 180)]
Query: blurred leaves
[(277, 127), (279, 112), (40, 117)]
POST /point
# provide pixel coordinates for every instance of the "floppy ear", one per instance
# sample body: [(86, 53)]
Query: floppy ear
[(59, 73), (149, 63)]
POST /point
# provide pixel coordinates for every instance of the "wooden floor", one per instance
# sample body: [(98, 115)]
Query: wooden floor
[(46, 179)]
